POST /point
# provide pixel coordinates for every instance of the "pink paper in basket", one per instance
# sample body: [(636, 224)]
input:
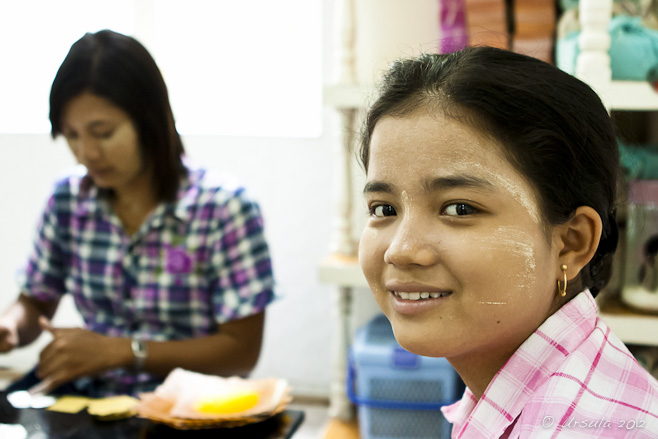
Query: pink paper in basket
[(177, 396)]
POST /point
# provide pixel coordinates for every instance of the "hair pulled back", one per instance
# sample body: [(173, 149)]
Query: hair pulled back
[(552, 126)]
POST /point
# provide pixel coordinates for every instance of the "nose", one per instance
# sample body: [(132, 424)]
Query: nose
[(413, 244), (86, 150)]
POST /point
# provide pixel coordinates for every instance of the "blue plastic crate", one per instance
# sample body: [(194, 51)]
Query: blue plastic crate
[(398, 394)]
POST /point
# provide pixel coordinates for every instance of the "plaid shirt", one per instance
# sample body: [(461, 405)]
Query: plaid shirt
[(572, 378), (193, 264)]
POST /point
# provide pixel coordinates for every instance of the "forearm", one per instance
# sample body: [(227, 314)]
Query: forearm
[(232, 351), (23, 317), (218, 354), (76, 352)]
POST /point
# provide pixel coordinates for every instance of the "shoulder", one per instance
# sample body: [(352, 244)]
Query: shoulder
[(599, 388), (70, 188), (210, 188)]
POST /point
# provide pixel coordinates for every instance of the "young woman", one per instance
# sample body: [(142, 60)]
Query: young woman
[(167, 263), (491, 183)]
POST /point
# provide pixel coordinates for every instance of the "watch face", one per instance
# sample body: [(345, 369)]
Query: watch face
[(139, 352)]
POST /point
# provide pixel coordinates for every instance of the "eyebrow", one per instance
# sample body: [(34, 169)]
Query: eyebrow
[(378, 186), (471, 181), (439, 183), (98, 123)]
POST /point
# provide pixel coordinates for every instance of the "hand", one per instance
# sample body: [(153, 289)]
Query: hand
[(8, 338), (74, 353)]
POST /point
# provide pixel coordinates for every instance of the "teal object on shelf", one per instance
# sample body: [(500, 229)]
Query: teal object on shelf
[(633, 49), (639, 162), (573, 4), (568, 4)]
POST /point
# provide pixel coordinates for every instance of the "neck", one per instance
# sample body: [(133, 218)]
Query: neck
[(138, 190), (477, 370), (134, 203), (134, 197)]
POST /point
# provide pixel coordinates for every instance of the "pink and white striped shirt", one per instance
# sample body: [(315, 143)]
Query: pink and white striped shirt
[(572, 378)]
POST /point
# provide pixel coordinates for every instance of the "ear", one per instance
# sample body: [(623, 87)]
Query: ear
[(579, 238)]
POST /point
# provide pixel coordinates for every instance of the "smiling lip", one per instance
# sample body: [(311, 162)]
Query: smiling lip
[(413, 298)]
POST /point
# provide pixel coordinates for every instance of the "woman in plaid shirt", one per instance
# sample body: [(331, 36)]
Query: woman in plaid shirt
[(491, 184), (167, 263)]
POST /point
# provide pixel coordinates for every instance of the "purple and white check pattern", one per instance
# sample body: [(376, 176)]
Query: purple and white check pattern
[(572, 378), (192, 265)]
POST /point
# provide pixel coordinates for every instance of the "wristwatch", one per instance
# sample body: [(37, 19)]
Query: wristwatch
[(140, 352)]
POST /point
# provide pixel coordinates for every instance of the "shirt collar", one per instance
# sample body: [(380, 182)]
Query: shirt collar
[(532, 363), (458, 412), (93, 201), (182, 207), (90, 198), (188, 192)]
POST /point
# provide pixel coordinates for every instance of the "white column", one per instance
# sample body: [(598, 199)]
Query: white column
[(346, 41), (339, 405), (593, 63), (342, 242)]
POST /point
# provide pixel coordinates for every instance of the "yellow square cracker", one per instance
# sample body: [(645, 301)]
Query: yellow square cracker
[(70, 404), (115, 406)]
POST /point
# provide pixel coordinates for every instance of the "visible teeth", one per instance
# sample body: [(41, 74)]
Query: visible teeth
[(417, 296)]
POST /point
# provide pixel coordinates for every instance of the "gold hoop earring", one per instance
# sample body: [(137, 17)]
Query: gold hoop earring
[(563, 291)]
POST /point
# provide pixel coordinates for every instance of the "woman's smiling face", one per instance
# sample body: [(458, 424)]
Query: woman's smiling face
[(454, 250)]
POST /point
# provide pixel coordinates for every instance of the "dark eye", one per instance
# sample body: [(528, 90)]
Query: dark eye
[(459, 209), (70, 135), (382, 210), (104, 134)]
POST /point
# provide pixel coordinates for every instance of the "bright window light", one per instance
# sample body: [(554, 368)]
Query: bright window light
[(35, 36), (233, 68), (248, 67)]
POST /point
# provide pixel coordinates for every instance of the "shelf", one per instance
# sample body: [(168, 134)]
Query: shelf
[(618, 95), (343, 271), (630, 326), (629, 95), (347, 95)]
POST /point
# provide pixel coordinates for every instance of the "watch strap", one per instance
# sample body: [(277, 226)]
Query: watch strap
[(140, 353)]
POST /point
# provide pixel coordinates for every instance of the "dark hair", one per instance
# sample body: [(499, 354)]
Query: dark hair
[(553, 128), (121, 70)]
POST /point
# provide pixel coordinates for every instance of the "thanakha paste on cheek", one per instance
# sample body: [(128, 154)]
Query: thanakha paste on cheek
[(513, 242)]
